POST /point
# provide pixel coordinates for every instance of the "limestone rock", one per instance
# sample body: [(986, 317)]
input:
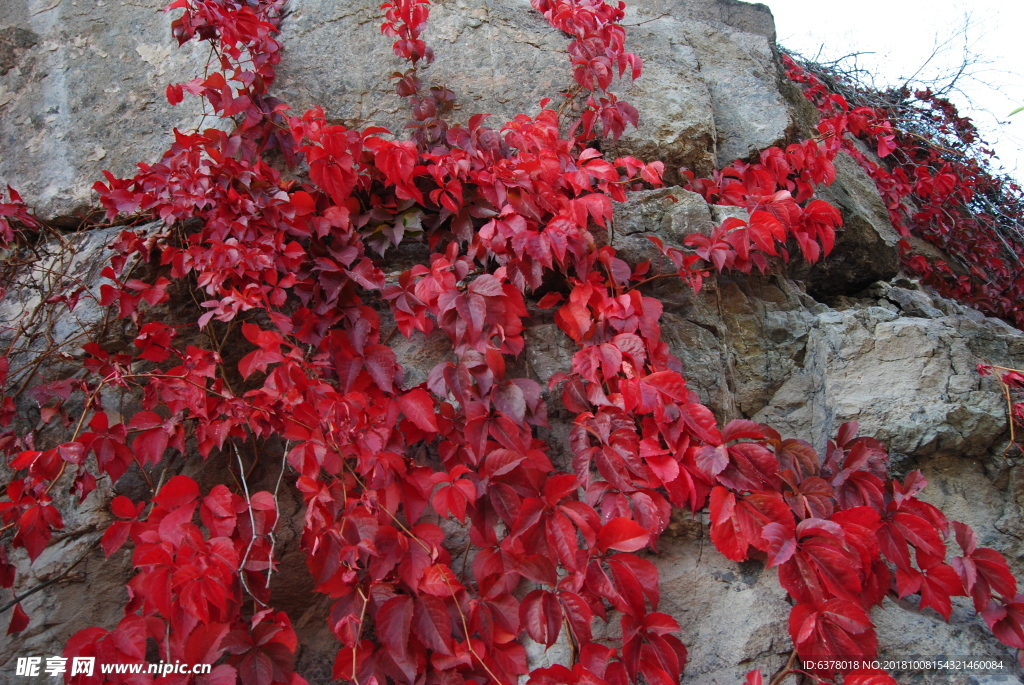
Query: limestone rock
[(709, 92), (908, 381), (669, 214), (80, 95), (82, 90), (734, 617), (913, 303), (674, 98), (866, 248), (742, 76)]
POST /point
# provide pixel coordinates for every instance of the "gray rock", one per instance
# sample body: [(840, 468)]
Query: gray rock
[(81, 95), (909, 382), (866, 248), (674, 98), (82, 90), (720, 213), (734, 43), (913, 303), (739, 68), (710, 77), (669, 214), (734, 617), (35, 326)]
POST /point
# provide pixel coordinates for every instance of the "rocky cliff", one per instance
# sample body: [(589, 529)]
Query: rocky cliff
[(803, 349)]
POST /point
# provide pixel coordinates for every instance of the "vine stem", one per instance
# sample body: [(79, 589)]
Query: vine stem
[(51, 581), (78, 428), (252, 523), (277, 510), (786, 670), (1009, 404), (355, 647)]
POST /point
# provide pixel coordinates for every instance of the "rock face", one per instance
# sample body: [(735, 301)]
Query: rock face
[(866, 249), (803, 349), (82, 90), (82, 83), (709, 93)]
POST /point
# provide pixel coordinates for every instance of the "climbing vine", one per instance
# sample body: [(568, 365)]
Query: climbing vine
[(389, 474), (937, 185)]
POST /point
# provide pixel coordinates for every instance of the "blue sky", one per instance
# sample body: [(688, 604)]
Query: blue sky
[(902, 34)]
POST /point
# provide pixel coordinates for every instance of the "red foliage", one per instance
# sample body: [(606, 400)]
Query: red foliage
[(936, 192), (499, 209)]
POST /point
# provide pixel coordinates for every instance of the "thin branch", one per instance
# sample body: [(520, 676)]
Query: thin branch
[(252, 524), (51, 581)]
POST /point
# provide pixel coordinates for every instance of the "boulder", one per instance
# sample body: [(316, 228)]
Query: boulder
[(709, 92), (909, 381), (668, 214)]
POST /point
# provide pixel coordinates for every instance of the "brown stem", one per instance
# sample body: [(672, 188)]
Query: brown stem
[(786, 670)]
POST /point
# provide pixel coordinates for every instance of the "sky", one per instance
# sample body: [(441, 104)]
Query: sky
[(901, 35)]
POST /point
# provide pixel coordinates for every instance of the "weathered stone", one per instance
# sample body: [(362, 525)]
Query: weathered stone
[(669, 214), (733, 616), (12, 40), (910, 382), (677, 115), (761, 324), (866, 248), (708, 85), (548, 351), (82, 90), (37, 327), (913, 303), (734, 44), (709, 92), (749, 112)]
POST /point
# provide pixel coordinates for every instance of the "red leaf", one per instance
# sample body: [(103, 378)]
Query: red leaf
[(115, 536), (550, 300), (418, 406), (1006, 621), (938, 584), (19, 620), (781, 543), (177, 492), (122, 507), (579, 614), (668, 383), (541, 615), (433, 624), (701, 421), (622, 534), (34, 528), (174, 93), (832, 630), (394, 621), (150, 445), (726, 531), (440, 581)]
